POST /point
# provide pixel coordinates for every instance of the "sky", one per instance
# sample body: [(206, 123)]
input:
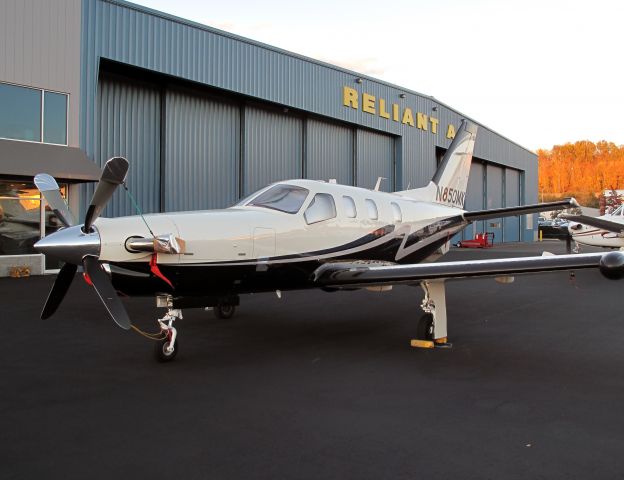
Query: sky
[(541, 73)]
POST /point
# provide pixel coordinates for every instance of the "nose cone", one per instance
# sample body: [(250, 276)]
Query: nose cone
[(70, 244)]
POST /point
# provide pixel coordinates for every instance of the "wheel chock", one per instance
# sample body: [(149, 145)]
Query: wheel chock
[(422, 343)]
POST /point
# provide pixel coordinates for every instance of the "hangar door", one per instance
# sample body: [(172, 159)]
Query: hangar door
[(329, 152), (129, 126), (375, 158), (272, 148), (474, 198), (202, 149), (494, 199), (512, 198)]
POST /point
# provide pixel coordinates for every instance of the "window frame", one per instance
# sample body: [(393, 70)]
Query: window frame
[(396, 209), (368, 202), (42, 115), (348, 198), (333, 200)]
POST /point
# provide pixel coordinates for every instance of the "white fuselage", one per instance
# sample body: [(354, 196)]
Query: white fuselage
[(598, 237), (245, 233)]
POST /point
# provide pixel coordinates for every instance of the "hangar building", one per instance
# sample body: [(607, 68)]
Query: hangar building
[(206, 117)]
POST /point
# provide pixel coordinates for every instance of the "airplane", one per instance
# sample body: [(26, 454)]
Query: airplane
[(293, 234), (605, 231)]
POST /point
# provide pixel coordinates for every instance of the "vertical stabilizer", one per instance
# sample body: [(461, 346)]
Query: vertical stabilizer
[(448, 185)]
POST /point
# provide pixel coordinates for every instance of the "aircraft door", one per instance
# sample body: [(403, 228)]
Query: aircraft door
[(263, 242)]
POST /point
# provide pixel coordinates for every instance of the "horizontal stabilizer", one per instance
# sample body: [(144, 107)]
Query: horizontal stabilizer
[(596, 222), (520, 210)]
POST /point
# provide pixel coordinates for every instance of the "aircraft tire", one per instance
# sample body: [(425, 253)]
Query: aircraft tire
[(424, 329), (224, 311), (161, 353)]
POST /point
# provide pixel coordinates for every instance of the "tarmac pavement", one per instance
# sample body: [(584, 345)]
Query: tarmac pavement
[(321, 385)]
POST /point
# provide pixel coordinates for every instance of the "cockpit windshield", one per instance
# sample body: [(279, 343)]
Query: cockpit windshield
[(282, 197)]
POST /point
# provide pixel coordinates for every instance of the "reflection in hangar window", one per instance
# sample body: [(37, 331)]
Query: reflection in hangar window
[(285, 198), (349, 206), (322, 207), (371, 206), (396, 212)]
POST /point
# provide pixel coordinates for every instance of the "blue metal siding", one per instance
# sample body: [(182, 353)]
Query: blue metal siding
[(512, 198), (133, 35), (494, 199), (375, 158), (475, 198), (202, 148), (273, 148), (129, 126), (329, 152)]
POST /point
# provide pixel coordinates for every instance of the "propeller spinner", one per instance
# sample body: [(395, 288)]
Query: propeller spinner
[(81, 244)]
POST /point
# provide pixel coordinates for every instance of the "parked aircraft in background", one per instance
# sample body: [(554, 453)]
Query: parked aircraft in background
[(604, 231), (294, 234)]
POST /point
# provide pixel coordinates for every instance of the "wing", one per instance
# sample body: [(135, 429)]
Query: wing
[(336, 275), (596, 222)]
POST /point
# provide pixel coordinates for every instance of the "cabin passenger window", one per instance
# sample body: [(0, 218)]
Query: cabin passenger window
[(373, 214), (321, 208), (285, 198), (349, 206), (396, 212)]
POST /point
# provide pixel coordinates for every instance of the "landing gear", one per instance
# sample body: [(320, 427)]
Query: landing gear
[(431, 329), (165, 351), (224, 311), (167, 348)]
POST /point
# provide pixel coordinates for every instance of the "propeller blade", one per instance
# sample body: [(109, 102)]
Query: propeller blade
[(114, 174), (52, 193), (106, 292), (59, 289)]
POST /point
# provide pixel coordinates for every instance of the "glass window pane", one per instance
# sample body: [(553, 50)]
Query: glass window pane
[(372, 209), (20, 113), (321, 208), (285, 198), (396, 212), (55, 118), (19, 226), (349, 206)]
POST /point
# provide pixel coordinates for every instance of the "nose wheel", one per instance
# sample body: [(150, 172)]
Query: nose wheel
[(166, 350), (224, 311)]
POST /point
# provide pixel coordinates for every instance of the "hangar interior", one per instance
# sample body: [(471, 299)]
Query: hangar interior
[(206, 117)]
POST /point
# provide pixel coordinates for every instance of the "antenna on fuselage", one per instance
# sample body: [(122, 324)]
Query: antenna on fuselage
[(378, 184)]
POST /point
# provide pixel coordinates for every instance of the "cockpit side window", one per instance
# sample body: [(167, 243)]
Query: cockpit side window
[(282, 197), (321, 208), (617, 211), (396, 212)]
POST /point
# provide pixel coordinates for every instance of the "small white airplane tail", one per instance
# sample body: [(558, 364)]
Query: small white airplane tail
[(448, 185)]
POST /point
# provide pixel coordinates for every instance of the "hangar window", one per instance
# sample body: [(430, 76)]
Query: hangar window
[(32, 114), (349, 206), (371, 207), (321, 208), (396, 212), (284, 198)]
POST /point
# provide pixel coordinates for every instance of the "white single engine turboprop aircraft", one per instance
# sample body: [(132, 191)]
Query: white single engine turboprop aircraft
[(605, 231), (293, 234)]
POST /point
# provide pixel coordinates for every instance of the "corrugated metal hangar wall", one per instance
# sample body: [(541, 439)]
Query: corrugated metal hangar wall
[(206, 118)]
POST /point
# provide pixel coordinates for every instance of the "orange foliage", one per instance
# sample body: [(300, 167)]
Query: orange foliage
[(582, 167)]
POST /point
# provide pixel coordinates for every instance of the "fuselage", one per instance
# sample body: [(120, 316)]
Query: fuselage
[(598, 237), (276, 238)]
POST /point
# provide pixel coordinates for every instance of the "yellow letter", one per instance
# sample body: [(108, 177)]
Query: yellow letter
[(349, 97), (422, 121), (368, 103), (450, 131), (395, 112), (408, 118), (434, 124), (382, 109)]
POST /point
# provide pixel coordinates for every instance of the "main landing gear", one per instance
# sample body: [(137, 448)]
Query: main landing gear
[(431, 329)]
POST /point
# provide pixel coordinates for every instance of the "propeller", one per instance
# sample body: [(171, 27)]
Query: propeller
[(80, 244)]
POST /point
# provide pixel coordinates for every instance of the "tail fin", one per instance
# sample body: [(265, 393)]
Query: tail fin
[(448, 185)]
